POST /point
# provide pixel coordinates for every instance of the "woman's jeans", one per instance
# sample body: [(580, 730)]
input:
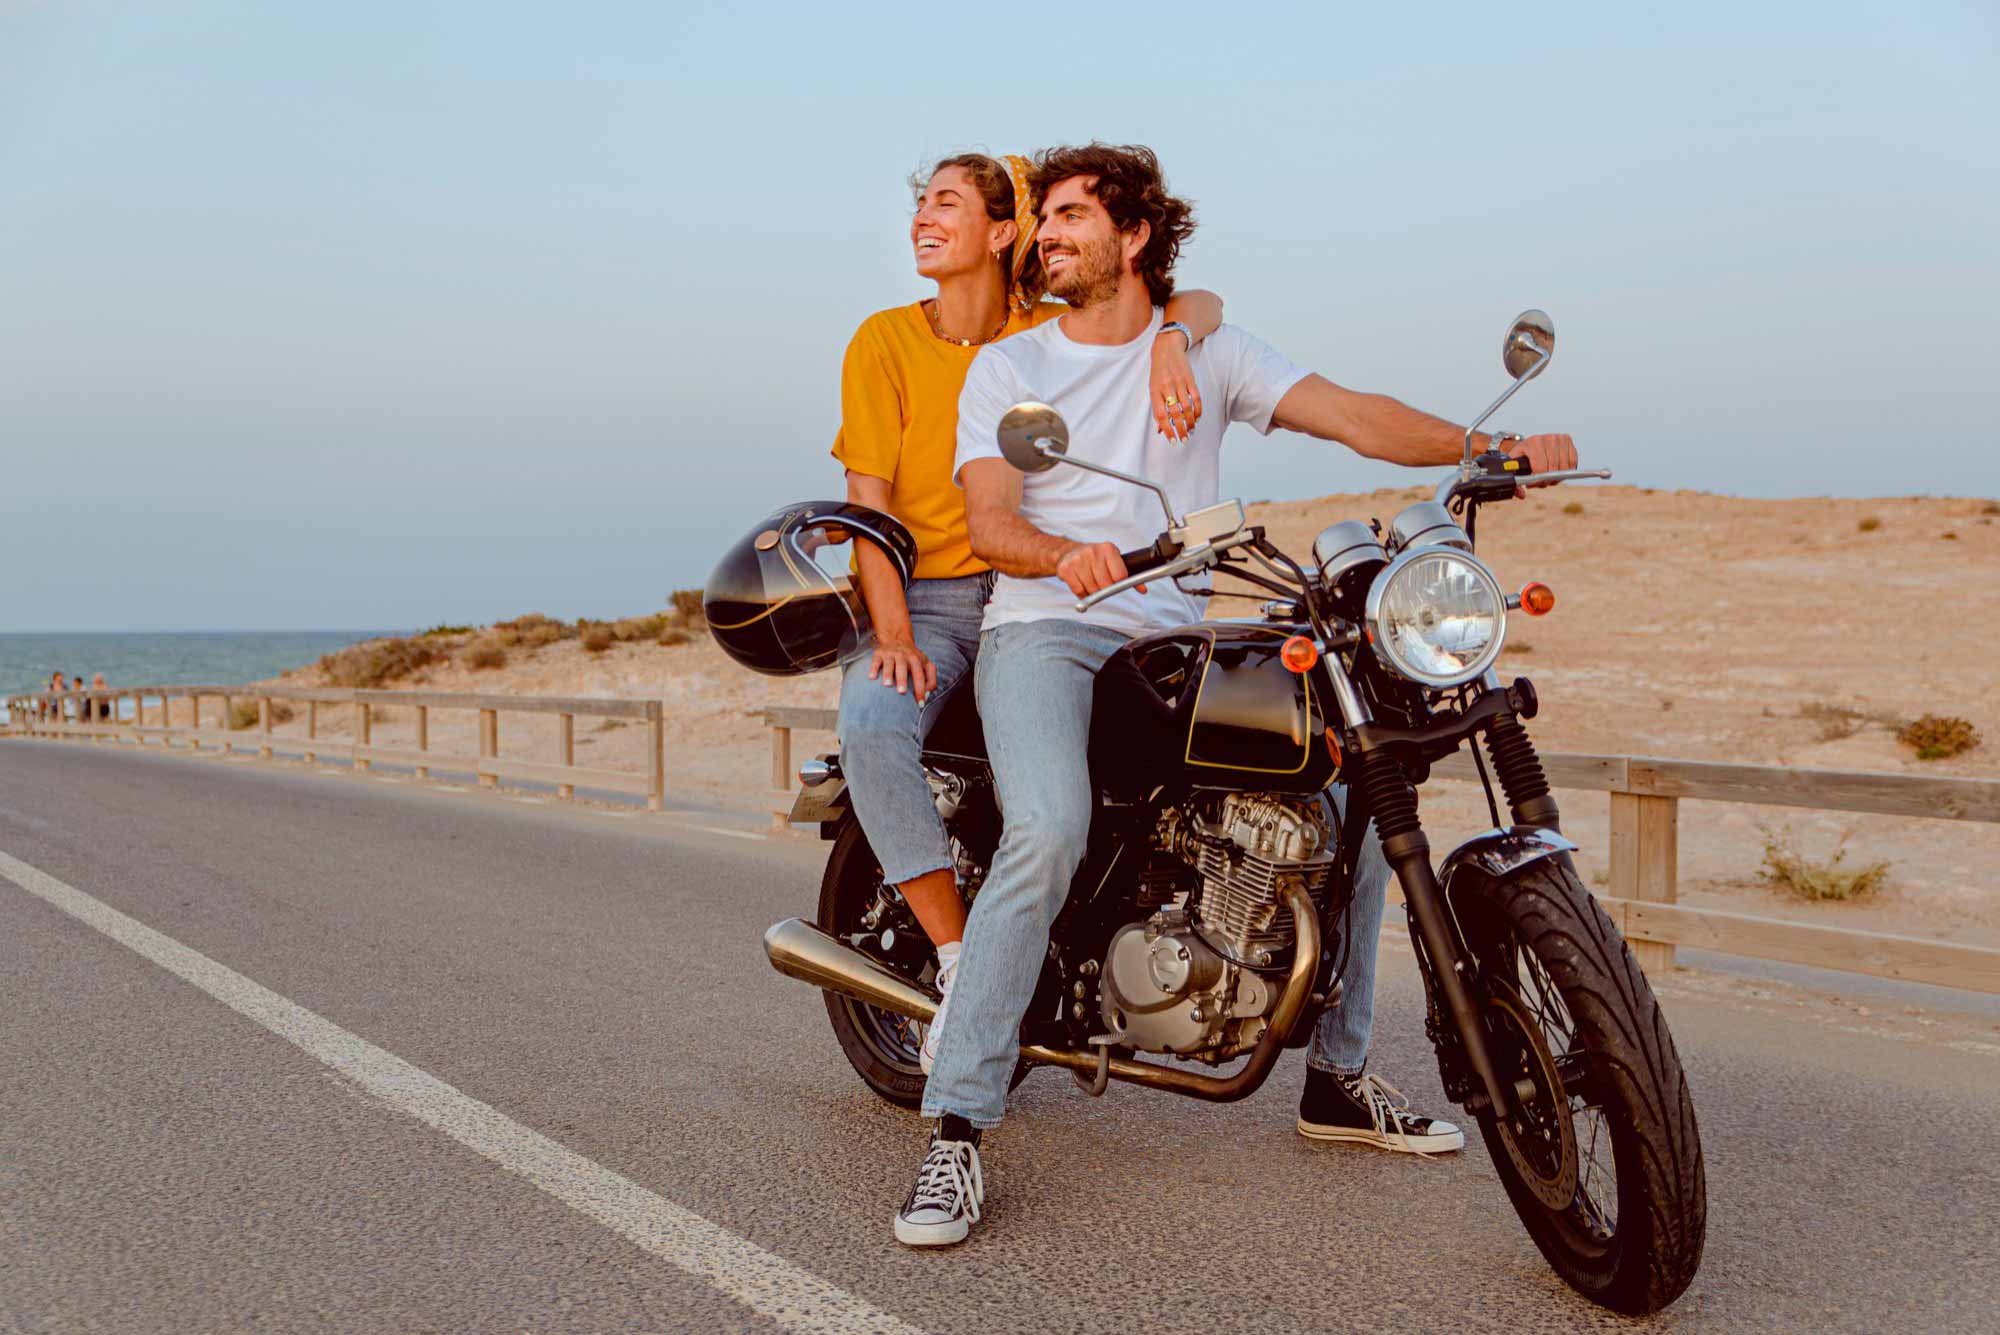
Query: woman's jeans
[(1035, 681), (881, 731)]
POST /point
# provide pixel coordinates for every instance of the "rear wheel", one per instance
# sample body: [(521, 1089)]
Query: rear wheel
[(860, 909), (1604, 1164)]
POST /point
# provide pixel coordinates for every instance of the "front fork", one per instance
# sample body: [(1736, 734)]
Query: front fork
[(1392, 802)]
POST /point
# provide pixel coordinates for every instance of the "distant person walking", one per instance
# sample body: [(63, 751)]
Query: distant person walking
[(53, 706), (103, 705)]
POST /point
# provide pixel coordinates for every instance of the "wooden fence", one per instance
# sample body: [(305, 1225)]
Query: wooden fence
[(1646, 793), (99, 715)]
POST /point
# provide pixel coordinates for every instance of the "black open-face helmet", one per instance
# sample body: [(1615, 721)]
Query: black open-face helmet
[(781, 600)]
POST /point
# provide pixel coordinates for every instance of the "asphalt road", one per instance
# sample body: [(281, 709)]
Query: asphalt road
[(543, 1080)]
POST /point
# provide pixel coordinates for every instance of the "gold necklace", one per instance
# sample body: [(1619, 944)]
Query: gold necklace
[(930, 317)]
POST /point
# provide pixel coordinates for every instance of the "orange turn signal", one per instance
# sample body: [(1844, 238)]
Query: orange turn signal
[(1299, 654), (1537, 599)]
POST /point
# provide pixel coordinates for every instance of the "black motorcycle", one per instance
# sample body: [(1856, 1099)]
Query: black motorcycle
[(1207, 921)]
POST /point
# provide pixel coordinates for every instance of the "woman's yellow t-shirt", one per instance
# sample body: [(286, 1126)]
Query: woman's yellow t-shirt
[(899, 389)]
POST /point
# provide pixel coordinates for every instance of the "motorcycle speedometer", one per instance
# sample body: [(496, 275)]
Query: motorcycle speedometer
[(1437, 616)]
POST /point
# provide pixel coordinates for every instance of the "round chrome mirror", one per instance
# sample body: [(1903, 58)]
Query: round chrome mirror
[(1033, 436), (1530, 345)]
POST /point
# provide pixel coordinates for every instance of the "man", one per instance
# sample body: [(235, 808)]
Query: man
[(1109, 236)]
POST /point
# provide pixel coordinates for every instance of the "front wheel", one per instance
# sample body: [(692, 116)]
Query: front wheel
[(1604, 1165)]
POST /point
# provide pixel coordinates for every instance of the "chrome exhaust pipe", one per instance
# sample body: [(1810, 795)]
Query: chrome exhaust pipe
[(800, 950)]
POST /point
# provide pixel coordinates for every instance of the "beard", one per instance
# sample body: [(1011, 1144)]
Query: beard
[(1092, 277)]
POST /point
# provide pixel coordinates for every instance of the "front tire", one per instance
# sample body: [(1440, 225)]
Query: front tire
[(1605, 1166)]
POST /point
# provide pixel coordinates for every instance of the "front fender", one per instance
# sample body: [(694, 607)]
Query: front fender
[(1495, 856)]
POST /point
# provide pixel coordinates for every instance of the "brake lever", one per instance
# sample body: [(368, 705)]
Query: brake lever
[(1193, 559), (1571, 475)]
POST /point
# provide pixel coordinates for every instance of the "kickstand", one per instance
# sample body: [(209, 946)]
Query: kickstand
[(1095, 1084)]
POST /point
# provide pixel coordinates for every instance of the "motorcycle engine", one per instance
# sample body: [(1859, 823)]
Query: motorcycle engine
[(1199, 979)]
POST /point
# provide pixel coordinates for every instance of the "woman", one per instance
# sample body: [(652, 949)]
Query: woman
[(973, 235)]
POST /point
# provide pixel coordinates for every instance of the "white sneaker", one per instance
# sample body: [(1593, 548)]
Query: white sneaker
[(928, 1051), (944, 1205)]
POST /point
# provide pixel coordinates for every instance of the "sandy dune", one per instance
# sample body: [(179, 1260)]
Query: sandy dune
[(1687, 625)]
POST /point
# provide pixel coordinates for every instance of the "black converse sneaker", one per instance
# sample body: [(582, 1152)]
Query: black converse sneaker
[(1368, 1110), (944, 1205)]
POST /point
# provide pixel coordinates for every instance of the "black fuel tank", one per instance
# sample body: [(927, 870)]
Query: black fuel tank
[(1211, 706)]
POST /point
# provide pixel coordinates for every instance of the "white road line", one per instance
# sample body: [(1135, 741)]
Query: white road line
[(762, 1281), (733, 834)]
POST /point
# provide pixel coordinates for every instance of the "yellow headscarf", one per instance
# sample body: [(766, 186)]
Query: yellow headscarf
[(1026, 220)]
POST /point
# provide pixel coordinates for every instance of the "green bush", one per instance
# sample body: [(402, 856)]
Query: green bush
[(1823, 879), (436, 631), (1573, 508)]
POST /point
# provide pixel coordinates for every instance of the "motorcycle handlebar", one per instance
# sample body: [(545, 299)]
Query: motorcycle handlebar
[(1140, 560)]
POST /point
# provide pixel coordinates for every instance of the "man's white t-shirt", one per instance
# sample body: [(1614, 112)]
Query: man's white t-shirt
[(1103, 393)]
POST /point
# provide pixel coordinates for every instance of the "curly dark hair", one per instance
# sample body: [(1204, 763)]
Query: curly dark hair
[(1129, 185)]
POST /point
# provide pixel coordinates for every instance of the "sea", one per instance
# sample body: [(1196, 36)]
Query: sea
[(164, 658)]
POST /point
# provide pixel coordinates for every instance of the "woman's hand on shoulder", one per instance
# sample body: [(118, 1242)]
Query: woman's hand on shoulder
[(1176, 401), (899, 663)]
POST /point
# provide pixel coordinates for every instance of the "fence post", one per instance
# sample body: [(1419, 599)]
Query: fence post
[(194, 720), (1645, 861), (567, 756), (489, 744), (228, 717), (656, 756), (423, 737), (264, 725), (312, 730), (781, 757), (361, 733)]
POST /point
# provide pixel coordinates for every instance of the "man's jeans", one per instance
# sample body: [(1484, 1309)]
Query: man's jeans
[(1035, 681), (881, 732)]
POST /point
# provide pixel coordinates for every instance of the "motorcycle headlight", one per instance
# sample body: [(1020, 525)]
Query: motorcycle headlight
[(1437, 616)]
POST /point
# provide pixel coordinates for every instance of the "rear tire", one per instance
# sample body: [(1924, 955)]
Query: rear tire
[(881, 1046), (1568, 1006)]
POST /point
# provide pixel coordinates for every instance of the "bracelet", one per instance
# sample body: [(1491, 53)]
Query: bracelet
[(1177, 327)]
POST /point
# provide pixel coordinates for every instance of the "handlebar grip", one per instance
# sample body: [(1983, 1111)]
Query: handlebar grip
[(1163, 550)]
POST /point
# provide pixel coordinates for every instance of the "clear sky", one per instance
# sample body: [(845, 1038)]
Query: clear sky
[(368, 314)]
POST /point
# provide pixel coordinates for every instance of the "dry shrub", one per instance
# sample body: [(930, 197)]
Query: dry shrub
[(597, 639), (485, 655), (1837, 721), (437, 631), (1817, 879), (1573, 508), (1520, 648), (672, 636), (243, 714), (1948, 536), (1869, 524), (638, 628), (378, 662), (1990, 508), (687, 605), (533, 630), (1938, 736)]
